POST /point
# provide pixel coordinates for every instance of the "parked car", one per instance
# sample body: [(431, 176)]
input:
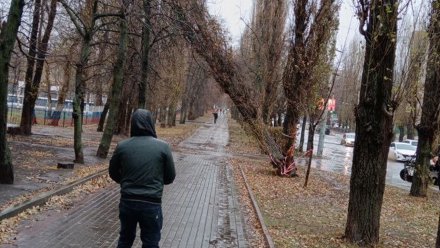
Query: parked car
[(348, 139), (411, 142), (401, 152)]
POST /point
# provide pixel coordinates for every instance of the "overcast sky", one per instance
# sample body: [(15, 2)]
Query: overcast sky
[(236, 14)]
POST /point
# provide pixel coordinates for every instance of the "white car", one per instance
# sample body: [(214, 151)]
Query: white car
[(348, 139), (411, 142), (401, 152)]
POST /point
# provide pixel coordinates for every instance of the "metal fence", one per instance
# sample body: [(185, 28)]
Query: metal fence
[(50, 117)]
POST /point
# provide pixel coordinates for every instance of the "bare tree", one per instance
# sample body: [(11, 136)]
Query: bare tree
[(36, 57), (118, 80), (310, 37), (348, 85), (261, 50)]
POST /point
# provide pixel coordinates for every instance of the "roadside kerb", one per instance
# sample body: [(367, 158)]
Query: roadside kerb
[(267, 236), (44, 197)]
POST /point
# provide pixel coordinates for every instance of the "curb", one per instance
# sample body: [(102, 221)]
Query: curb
[(267, 236), (44, 197)]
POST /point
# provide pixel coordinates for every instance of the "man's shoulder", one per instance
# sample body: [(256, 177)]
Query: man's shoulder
[(125, 142), (161, 142)]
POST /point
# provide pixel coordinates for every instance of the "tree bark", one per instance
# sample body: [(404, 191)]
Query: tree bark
[(62, 95), (374, 118), (437, 243), (78, 100), (8, 35), (401, 132), (429, 123), (145, 55), (410, 130), (103, 116), (118, 81), (303, 130), (310, 148), (29, 97)]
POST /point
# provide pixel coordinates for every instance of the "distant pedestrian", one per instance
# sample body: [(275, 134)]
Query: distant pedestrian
[(141, 165), (215, 113)]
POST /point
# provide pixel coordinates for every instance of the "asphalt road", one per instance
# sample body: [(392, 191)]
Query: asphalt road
[(338, 158)]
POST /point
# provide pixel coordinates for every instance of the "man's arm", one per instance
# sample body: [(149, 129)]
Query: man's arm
[(169, 172), (114, 170)]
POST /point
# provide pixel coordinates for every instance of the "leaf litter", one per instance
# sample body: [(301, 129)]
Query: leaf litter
[(316, 216)]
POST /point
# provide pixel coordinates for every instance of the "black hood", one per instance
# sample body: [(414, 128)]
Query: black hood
[(142, 124)]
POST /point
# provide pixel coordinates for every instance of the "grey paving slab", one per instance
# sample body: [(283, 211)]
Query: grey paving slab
[(200, 208)]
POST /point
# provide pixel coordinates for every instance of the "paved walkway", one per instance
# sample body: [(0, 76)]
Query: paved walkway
[(200, 207)]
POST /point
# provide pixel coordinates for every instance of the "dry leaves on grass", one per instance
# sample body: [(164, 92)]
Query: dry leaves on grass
[(175, 135), (316, 216)]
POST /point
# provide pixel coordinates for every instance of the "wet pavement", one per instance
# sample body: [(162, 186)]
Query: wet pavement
[(200, 208)]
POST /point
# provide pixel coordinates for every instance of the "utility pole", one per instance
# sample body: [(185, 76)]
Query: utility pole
[(323, 126)]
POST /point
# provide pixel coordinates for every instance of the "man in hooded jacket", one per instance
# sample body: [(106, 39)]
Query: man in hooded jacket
[(141, 165)]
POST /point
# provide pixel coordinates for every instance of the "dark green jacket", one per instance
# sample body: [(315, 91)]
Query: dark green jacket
[(142, 164)]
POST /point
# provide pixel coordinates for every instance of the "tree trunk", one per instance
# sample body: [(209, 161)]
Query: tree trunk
[(437, 243), (303, 130), (8, 35), (49, 93), (309, 148), (171, 120), (29, 94), (410, 131), (429, 123), (311, 37), (374, 118), (118, 81), (128, 120), (122, 110), (103, 116), (145, 55), (78, 100), (62, 95), (401, 132), (80, 84), (183, 111)]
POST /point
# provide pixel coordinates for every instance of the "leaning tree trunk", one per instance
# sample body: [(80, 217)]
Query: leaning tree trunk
[(431, 106), (103, 116), (374, 121), (210, 46), (118, 81), (7, 40)]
